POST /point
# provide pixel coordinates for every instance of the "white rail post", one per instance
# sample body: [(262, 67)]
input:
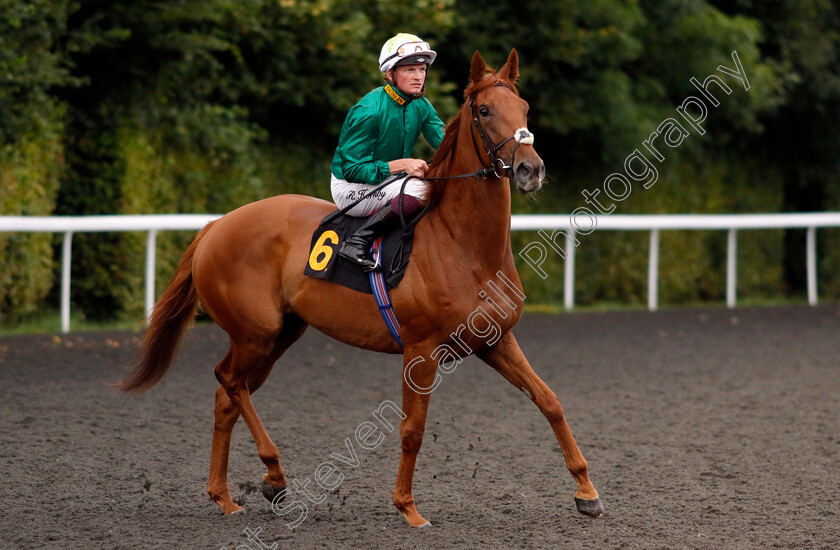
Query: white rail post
[(151, 242), (569, 271), (653, 271), (811, 261), (731, 267), (66, 251)]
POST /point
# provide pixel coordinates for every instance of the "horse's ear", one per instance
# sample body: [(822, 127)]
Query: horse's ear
[(478, 68), (510, 71)]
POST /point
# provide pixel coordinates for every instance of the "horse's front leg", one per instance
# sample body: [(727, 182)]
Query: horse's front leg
[(418, 379), (507, 358)]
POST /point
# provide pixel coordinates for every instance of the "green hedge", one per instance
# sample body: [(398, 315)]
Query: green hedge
[(29, 179)]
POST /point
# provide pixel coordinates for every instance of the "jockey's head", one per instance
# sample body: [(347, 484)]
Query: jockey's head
[(405, 50)]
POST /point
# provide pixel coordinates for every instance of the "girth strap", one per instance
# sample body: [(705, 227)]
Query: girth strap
[(380, 294)]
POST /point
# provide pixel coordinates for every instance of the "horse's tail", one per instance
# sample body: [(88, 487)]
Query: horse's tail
[(172, 315)]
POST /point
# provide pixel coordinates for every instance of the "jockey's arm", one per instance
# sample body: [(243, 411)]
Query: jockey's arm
[(434, 129), (412, 167)]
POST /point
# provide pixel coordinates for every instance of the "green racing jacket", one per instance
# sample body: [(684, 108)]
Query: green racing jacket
[(383, 126)]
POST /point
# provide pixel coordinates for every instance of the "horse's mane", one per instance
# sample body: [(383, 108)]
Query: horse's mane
[(441, 164)]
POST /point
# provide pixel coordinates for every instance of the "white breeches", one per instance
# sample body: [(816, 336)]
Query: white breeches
[(345, 192)]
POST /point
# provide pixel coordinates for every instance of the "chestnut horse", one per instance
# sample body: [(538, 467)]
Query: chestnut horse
[(246, 270)]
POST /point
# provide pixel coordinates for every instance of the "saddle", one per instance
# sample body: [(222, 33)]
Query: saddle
[(325, 263)]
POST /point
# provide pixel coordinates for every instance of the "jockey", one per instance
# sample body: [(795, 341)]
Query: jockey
[(376, 141)]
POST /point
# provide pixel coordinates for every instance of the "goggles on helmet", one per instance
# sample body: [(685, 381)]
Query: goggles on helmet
[(405, 49)]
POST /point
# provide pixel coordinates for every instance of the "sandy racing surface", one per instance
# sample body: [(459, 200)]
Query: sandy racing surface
[(703, 429)]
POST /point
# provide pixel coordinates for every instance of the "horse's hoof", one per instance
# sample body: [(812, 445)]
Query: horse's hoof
[(232, 509), (592, 508), (270, 492)]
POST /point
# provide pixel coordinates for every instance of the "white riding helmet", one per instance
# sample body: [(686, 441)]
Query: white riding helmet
[(405, 49)]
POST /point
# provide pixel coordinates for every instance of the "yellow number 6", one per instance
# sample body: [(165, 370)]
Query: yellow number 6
[(322, 248)]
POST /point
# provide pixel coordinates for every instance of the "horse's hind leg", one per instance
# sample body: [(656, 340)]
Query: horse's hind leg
[(226, 417), (507, 358), (227, 414)]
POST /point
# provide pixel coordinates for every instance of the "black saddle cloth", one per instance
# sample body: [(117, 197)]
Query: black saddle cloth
[(325, 263)]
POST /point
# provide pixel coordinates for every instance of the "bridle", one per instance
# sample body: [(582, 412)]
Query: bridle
[(498, 167), (522, 135), (492, 151)]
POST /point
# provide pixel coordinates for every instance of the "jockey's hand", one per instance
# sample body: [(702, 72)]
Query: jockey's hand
[(412, 167)]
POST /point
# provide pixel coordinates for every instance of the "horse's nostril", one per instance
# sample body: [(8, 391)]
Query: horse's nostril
[(524, 171)]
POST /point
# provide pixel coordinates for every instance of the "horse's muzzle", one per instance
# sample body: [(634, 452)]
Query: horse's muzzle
[(529, 176)]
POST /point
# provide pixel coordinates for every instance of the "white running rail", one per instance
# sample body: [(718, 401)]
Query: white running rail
[(152, 224), (655, 223), (98, 224)]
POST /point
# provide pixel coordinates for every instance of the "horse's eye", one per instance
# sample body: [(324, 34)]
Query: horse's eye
[(484, 111)]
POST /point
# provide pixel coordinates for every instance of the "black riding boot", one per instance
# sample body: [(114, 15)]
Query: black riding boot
[(357, 247)]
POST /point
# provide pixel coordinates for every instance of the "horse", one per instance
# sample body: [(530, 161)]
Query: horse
[(246, 272)]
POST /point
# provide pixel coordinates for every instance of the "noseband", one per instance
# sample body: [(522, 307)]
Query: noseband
[(522, 135)]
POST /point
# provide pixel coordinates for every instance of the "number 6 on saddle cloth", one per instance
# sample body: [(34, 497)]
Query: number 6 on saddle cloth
[(392, 250)]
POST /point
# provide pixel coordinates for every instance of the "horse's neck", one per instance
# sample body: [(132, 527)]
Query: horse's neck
[(475, 212)]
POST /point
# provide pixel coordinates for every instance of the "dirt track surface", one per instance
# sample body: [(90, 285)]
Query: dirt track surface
[(703, 429)]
